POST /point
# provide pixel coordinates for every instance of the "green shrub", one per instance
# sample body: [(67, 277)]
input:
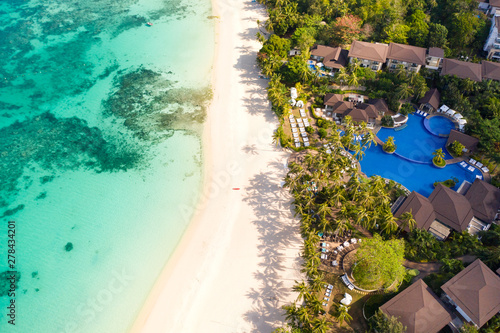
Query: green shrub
[(456, 148), (406, 109), (309, 130), (387, 121), (322, 133)]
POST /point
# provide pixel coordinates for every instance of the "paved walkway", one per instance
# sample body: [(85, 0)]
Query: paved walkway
[(426, 268)]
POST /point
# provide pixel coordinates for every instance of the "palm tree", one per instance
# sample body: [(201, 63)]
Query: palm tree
[(400, 71), (438, 156), (302, 288), (387, 220), (404, 91), (291, 313), (389, 144), (342, 314), (315, 305), (317, 282), (304, 317), (320, 325), (407, 220), (353, 80), (277, 135), (342, 75), (354, 65)]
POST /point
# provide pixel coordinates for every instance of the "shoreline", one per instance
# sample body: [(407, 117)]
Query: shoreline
[(219, 258)]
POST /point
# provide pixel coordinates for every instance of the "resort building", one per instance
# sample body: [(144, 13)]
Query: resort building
[(333, 58), (469, 142), (410, 57), (491, 70), (474, 293), (434, 58), (431, 101), (493, 6), (492, 45), (446, 209), (380, 105), (372, 55), (335, 103), (419, 309), (462, 69)]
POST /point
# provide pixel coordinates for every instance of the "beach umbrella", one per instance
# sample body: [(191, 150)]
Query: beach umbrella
[(319, 64)]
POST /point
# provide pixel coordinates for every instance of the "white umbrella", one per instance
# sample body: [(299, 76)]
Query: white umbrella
[(462, 121), (319, 64)]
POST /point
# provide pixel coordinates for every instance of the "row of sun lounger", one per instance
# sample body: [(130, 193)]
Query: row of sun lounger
[(422, 113), (476, 164), (299, 125), (346, 281)]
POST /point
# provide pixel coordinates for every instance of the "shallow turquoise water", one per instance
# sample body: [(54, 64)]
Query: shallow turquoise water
[(100, 119)]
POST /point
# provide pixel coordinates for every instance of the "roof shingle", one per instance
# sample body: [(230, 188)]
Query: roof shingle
[(369, 51), (407, 53), (462, 69)]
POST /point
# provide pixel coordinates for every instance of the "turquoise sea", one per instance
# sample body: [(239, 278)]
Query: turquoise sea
[(100, 153)]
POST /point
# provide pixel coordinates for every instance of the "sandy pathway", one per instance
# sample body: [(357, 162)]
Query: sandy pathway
[(234, 268)]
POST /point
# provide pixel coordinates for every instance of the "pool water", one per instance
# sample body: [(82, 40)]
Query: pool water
[(414, 176), (411, 165), (440, 125), (415, 143)]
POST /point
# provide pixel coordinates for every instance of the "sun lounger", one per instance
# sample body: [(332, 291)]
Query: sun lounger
[(306, 139), (328, 293), (463, 164), (295, 135), (479, 177), (326, 298), (294, 130), (471, 169), (297, 144), (324, 256), (325, 304), (479, 165), (330, 286), (324, 250), (472, 161), (335, 263), (418, 112), (346, 244), (353, 240), (328, 151), (306, 144), (301, 125), (340, 248), (299, 120), (426, 114), (296, 140), (292, 121), (304, 134), (485, 169)]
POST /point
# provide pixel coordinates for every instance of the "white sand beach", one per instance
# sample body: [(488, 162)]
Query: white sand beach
[(235, 266)]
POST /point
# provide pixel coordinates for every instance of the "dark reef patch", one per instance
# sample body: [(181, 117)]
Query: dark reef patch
[(58, 144), (68, 247), (152, 107)]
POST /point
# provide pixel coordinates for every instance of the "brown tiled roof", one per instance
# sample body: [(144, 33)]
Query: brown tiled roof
[(379, 104), (462, 69), (435, 52), (497, 18), (408, 53), (495, 3), (451, 208), (431, 97), (342, 107), (468, 141), (370, 110), (421, 209), (484, 199), (357, 115), (419, 309), (369, 51), (331, 99), (491, 70), (498, 271), (338, 62), (323, 51), (476, 290)]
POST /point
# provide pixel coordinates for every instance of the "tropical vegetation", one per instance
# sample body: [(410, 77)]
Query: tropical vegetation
[(389, 145)]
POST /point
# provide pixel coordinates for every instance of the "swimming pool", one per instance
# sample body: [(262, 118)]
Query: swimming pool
[(440, 125), (414, 176), (415, 143), (411, 165)]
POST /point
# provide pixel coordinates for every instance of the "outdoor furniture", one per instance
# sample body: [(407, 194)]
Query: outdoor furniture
[(324, 250), (301, 125), (304, 134), (292, 120), (471, 169), (347, 299), (330, 286), (306, 144), (485, 169), (472, 161), (353, 240), (328, 293), (305, 139), (479, 165), (297, 144), (325, 304), (479, 177), (324, 256), (335, 263), (328, 151), (346, 244), (294, 125), (326, 298), (299, 120), (340, 248), (295, 135), (294, 130), (463, 164)]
